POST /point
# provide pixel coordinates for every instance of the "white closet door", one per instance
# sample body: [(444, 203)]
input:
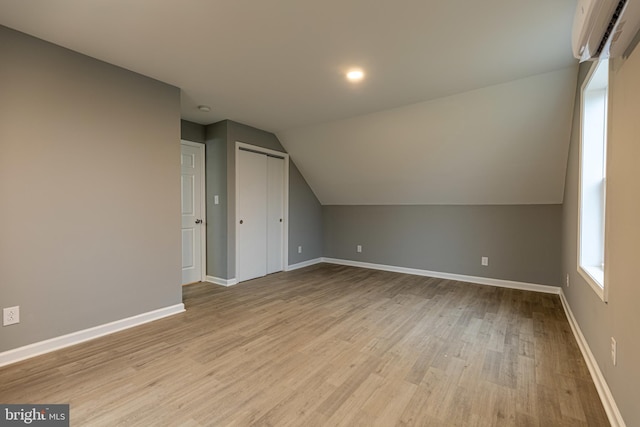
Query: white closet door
[(275, 214), (251, 215)]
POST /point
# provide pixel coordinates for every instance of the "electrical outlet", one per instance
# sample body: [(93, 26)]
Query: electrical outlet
[(299, 249), (10, 315), (485, 261), (614, 351), (359, 248), (566, 280), (216, 200)]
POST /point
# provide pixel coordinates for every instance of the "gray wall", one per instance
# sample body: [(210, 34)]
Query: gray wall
[(305, 219), (305, 214), (619, 317), (90, 190), (521, 241), (216, 172), (192, 131)]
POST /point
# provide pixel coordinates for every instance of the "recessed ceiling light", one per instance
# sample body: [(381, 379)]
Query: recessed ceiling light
[(355, 75), (204, 108)]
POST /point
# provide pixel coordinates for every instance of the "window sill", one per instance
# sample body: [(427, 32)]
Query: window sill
[(595, 278)]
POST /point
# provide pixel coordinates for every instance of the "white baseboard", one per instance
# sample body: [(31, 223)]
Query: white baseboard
[(613, 413), (304, 264), (450, 276), (47, 346), (220, 281)]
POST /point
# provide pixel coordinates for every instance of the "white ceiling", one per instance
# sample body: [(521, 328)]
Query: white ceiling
[(503, 144), (278, 65)]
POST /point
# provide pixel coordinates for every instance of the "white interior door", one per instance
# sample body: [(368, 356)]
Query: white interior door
[(275, 214), (192, 178), (251, 215)]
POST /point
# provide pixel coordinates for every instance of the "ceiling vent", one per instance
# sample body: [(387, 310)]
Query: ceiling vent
[(605, 28)]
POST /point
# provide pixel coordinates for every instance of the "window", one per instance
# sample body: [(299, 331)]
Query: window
[(593, 178)]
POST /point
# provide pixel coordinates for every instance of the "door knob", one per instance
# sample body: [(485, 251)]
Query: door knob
[(241, 222), (198, 221), (280, 219)]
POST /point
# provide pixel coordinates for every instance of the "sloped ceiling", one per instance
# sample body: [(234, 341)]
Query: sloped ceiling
[(504, 144), (278, 65)]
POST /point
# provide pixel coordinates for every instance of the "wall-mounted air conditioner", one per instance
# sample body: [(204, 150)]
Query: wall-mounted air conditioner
[(605, 28)]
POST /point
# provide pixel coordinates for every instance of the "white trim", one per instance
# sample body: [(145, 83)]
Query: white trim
[(203, 206), (610, 407), (459, 277), (285, 156), (285, 243), (304, 264), (600, 289), (220, 281), (259, 149), (596, 285), (53, 344)]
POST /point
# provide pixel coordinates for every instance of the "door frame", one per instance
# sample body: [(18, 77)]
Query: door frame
[(285, 229), (203, 207)]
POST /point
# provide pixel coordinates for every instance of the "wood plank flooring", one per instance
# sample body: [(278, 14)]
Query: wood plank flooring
[(327, 345)]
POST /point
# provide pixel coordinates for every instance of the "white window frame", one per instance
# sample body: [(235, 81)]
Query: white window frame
[(594, 275)]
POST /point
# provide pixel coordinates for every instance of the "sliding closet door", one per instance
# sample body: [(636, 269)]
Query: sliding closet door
[(275, 214), (251, 215)]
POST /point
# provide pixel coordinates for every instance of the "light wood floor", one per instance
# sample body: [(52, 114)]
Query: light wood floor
[(327, 345)]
